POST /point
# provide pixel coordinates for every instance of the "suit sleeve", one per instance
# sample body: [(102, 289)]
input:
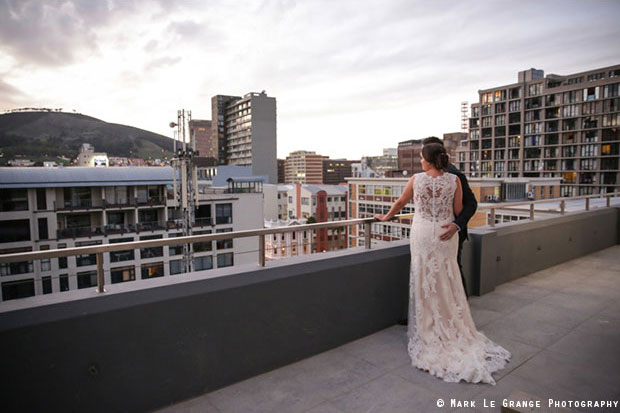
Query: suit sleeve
[(469, 204)]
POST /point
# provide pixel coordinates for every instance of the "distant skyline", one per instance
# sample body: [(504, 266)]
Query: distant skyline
[(350, 77)]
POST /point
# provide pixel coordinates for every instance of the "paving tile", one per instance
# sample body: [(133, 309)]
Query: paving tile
[(384, 349), (526, 330), (520, 352), (600, 352), (552, 314), (497, 395), (604, 324), (389, 393), (587, 303), (553, 370), (499, 302), (437, 386), (521, 290), (325, 407), (482, 316)]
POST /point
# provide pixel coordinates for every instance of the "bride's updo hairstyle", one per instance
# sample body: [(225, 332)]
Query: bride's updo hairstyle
[(435, 154)]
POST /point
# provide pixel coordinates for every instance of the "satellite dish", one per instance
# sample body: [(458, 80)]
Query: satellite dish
[(405, 173)]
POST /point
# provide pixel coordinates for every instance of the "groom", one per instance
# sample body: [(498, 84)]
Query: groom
[(469, 208)]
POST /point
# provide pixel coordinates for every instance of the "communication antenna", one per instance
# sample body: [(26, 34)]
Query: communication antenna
[(464, 110), (185, 191)]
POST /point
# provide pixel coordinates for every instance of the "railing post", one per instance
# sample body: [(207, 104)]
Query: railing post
[(100, 278), (492, 218), (261, 250), (562, 206), (608, 201), (367, 238), (587, 204), (532, 211)]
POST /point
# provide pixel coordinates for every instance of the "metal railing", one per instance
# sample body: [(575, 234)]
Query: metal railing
[(511, 206), (99, 250)]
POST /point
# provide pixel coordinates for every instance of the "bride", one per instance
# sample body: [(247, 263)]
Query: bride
[(442, 336)]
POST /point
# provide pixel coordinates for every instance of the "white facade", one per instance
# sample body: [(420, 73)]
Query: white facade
[(49, 211)]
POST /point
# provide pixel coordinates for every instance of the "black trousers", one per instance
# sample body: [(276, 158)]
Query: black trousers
[(458, 260)]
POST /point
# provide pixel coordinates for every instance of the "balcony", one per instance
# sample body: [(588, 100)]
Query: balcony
[(561, 324), (79, 232), (317, 331)]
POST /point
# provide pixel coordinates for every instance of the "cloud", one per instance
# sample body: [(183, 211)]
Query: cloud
[(11, 97)]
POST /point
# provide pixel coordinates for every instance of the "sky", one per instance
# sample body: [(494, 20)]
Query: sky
[(350, 77)]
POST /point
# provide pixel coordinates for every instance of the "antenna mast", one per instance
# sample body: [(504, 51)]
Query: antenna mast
[(186, 192)]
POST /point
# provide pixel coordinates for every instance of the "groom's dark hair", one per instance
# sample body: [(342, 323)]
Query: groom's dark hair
[(432, 139)]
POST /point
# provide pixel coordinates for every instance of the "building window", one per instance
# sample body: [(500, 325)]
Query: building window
[(41, 199), (64, 282), (176, 267), (223, 214), (224, 243), (122, 274), (46, 284), (12, 290), (87, 279), (13, 200), (151, 252), (152, 270), (46, 263), (225, 260), (206, 245), (203, 263), (16, 268), (118, 256), (42, 223), (85, 260), (175, 249), (15, 230)]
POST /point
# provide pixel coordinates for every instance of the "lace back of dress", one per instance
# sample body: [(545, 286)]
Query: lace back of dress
[(433, 196)]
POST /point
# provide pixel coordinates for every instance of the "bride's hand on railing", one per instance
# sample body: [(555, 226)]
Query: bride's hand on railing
[(381, 217)]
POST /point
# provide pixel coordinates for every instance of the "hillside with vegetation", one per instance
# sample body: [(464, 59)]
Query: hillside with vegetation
[(48, 135)]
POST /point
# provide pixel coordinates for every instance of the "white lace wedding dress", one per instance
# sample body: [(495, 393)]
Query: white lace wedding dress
[(442, 336)]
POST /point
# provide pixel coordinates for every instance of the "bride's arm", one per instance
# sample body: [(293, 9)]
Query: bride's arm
[(458, 198), (404, 198)]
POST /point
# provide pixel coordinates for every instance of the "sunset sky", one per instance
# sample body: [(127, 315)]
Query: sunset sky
[(350, 77)]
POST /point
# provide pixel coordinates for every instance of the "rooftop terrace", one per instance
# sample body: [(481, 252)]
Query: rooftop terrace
[(561, 324)]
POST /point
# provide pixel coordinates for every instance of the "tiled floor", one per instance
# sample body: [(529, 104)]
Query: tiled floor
[(562, 326)]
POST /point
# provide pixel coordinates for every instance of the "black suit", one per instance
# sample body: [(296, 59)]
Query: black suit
[(469, 209)]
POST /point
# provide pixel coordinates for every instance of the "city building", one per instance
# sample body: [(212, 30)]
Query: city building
[(336, 170), (362, 170), (88, 156), (409, 156), (281, 171), (304, 167), (243, 132), (50, 208), (409, 151), (323, 203), (564, 126), (368, 196), (386, 162), (289, 244), (201, 131)]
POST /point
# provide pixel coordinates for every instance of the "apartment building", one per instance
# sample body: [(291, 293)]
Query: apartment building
[(244, 131), (201, 130), (50, 208), (565, 126), (336, 170), (304, 167)]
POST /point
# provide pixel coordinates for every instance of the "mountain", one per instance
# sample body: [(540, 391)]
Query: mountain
[(39, 135)]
